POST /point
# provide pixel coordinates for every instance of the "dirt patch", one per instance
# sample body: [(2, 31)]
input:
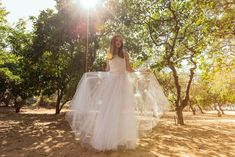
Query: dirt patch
[(38, 133)]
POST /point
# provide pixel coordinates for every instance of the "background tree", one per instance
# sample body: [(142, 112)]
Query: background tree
[(177, 33), (182, 42), (20, 43), (58, 53)]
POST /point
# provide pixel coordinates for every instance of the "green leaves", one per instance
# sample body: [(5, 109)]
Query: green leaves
[(4, 28), (163, 35), (179, 34)]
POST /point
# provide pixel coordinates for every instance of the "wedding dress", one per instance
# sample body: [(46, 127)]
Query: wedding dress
[(112, 109)]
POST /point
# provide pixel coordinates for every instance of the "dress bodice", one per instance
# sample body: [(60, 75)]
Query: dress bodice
[(117, 65)]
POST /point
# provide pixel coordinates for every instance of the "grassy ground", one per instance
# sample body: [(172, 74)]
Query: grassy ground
[(40, 133)]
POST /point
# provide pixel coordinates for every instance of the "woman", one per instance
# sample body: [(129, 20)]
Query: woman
[(112, 109)]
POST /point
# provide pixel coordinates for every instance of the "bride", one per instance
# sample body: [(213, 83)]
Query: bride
[(114, 108)]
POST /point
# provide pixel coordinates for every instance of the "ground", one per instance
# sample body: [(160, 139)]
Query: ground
[(40, 133)]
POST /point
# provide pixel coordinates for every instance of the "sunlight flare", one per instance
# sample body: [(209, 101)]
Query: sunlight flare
[(89, 3)]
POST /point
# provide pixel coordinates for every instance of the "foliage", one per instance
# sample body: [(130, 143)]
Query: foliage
[(185, 43)]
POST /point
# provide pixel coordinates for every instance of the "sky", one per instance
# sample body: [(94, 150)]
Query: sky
[(25, 8)]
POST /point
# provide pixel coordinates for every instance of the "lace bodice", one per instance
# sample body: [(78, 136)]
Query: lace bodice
[(117, 65)]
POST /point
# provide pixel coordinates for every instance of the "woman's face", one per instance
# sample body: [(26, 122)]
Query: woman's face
[(118, 42)]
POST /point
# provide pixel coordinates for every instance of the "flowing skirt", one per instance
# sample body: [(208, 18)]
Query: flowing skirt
[(110, 110)]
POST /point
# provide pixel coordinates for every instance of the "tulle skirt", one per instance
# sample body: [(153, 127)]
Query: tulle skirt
[(110, 110)]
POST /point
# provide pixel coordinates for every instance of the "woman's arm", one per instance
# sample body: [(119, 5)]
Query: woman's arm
[(128, 66)]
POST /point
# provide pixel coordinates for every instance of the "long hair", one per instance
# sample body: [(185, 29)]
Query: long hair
[(112, 48)]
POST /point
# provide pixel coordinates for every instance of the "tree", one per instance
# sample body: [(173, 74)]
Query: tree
[(20, 42), (58, 53), (4, 28), (177, 33)]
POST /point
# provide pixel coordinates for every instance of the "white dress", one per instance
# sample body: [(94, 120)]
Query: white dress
[(112, 109)]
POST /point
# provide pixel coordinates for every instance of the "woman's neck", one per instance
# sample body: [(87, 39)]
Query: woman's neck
[(116, 51)]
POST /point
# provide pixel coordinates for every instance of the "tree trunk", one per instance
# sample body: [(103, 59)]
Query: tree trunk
[(179, 114), (61, 106), (220, 108), (218, 111), (192, 109), (200, 108), (40, 101), (7, 101), (18, 105), (59, 97), (211, 108)]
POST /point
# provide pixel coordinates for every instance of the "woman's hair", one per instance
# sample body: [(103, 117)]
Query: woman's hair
[(112, 48)]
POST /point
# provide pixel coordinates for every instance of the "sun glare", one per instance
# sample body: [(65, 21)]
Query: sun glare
[(89, 3)]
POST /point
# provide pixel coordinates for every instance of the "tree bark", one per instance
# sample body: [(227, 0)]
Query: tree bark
[(200, 108), (18, 105), (59, 97), (61, 106), (218, 111), (220, 108), (179, 114), (192, 109), (7, 101)]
